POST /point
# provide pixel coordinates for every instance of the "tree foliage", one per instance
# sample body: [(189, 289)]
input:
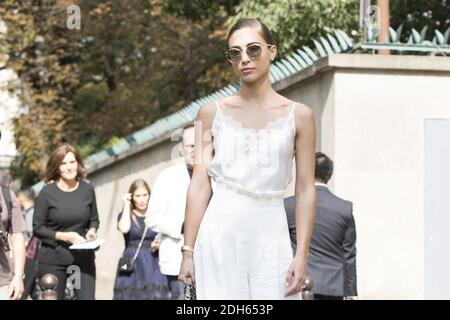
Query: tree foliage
[(418, 14), (296, 22), (131, 63), (40, 51), (134, 62)]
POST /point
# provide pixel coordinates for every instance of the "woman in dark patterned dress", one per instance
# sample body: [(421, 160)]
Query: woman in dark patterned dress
[(146, 282)]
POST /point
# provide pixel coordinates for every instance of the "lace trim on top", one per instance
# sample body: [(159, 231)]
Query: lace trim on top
[(231, 122), (273, 124)]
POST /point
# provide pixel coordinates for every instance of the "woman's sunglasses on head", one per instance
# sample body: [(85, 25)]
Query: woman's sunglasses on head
[(253, 51)]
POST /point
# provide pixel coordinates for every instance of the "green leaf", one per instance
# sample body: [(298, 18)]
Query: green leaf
[(439, 37), (416, 36), (423, 33), (393, 35), (446, 35), (399, 32), (334, 43), (311, 53), (320, 49)]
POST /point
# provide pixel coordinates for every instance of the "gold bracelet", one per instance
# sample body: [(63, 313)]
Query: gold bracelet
[(187, 248)]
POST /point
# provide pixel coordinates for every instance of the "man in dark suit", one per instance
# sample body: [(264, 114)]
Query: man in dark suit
[(332, 250)]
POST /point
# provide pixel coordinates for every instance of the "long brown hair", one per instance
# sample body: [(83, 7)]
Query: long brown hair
[(57, 157), (139, 183)]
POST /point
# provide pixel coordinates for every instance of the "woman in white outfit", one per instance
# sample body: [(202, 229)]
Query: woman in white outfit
[(237, 244)]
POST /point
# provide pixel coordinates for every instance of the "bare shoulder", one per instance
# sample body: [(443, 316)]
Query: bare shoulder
[(304, 115), (208, 110), (206, 113)]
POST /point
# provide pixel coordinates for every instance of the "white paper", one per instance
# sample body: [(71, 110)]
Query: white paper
[(88, 244)]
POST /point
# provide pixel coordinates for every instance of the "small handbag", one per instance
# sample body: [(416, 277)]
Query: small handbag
[(32, 249), (127, 265), (189, 290)]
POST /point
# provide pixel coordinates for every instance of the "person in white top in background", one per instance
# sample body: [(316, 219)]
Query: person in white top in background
[(165, 213)]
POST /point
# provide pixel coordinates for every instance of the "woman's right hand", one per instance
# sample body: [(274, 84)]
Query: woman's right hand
[(72, 237), (127, 199), (155, 245), (187, 268)]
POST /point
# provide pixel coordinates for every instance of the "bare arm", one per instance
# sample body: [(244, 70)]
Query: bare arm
[(18, 241), (199, 191), (18, 249), (305, 194), (124, 224)]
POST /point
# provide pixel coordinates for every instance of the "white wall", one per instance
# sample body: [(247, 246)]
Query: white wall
[(437, 209), (379, 166)]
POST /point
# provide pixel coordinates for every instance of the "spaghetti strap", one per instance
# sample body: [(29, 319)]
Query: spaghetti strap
[(219, 109), (292, 111), (293, 107)]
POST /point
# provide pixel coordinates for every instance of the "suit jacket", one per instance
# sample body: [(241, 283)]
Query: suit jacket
[(289, 205), (332, 250), (165, 215)]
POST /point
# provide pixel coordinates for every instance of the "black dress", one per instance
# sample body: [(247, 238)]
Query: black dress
[(74, 211)]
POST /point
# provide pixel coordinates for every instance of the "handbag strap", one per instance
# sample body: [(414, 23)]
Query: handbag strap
[(140, 245)]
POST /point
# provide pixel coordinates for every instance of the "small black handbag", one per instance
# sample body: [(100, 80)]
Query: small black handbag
[(127, 264)]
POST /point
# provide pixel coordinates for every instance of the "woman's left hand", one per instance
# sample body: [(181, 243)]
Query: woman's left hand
[(296, 276), (91, 234)]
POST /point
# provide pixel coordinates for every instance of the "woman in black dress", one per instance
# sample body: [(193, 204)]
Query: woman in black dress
[(66, 214)]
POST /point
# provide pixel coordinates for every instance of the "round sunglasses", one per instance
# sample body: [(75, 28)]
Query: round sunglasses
[(253, 51)]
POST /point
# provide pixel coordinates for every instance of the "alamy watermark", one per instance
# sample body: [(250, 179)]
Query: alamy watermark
[(74, 278), (259, 149), (73, 21)]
